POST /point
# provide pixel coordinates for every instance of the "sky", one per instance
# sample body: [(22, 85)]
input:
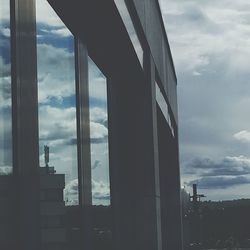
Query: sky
[(57, 105), (57, 108), (210, 45)]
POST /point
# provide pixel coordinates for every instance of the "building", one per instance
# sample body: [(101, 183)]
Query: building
[(93, 80)]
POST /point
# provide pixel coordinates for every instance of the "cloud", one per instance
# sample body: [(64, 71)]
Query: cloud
[(219, 182), (210, 45), (243, 136), (71, 193), (56, 73), (98, 114), (6, 170), (57, 123), (228, 166), (6, 32), (45, 14), (100, 193), (98, 132), (61, 32), (198, 31)]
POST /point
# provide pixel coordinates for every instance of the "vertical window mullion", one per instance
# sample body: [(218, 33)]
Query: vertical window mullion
[(25, 122), (83, 129), (83, 141)]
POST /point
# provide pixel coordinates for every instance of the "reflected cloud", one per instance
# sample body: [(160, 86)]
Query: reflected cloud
[(5, 32), (5, 170), (98, 131), (5, 92), (46, 14), (51, 126), (56, 94), (62, 32), (99, 135), (100, 193), (56, 73)]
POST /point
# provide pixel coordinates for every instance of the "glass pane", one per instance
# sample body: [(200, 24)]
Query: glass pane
[(56, 93), (127, 20), (101, 209), (5, 91), (59, 192), (163, 107), (99, 136)]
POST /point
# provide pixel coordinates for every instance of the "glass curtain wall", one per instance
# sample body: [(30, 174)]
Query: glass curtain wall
[(101, 202), (5, 91), (59, 190), (99, 135), (56, 93), (6, 164)]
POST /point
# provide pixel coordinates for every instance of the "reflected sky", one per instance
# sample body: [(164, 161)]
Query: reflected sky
[(163, 107), (5, 91), (56, 94), (57, 107), (127, 20), (99, 136)]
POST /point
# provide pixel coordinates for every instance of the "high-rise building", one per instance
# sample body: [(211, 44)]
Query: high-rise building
[(95, 82)]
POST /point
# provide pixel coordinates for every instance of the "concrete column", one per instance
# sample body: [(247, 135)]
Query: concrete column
[(134, 161)]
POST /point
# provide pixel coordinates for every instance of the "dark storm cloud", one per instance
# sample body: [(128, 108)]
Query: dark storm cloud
[(219, 182), (228, 166)]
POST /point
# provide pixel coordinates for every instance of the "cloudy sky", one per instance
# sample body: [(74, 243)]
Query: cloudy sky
[(210, 43), (57, 108)]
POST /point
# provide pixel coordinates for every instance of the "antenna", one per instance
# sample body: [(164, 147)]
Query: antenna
[(46, 156)]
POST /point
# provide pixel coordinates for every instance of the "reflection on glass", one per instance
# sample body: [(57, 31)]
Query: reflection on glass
[(99, 136), (127, 20), (101, 209), (60, 228), (5, 91), (164, 107), (56, 93)]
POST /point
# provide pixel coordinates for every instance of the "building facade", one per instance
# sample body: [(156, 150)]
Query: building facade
[(93, 83)]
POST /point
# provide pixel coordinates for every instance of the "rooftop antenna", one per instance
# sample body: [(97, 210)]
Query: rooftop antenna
[(196, 197), (46, 157)]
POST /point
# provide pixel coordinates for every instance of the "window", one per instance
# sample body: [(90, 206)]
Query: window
[(101, 202), (5, 91), (164, 107), (56, 94), (127, 20), (99, 136)]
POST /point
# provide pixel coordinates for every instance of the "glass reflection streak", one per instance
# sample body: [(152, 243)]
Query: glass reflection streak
[(164, 107), (99, 136), (56, 93), (5, 91), (127, 20)]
